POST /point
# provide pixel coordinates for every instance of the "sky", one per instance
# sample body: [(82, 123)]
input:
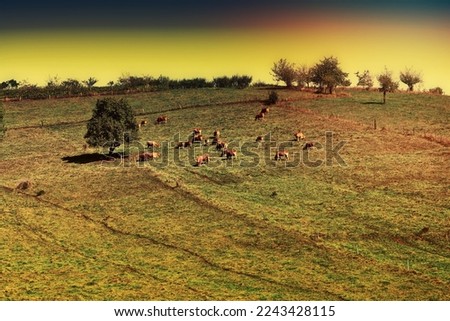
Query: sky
[(40, 40)]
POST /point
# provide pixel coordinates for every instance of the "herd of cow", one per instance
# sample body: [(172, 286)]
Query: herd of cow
[(221, 146)]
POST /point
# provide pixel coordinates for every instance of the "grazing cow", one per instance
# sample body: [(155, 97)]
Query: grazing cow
[(216, 134), (197, 131), (147, 156), (229, 153), (184, 144), (282, 154), (265, 110), (308, 145), (152, 143), (298, 136), (162, 119), (197, 138), (206, 143), (143, 123), (221, 145), (203, 159), (259, 139), (259, 116)]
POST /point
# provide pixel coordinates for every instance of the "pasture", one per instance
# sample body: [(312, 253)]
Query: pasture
[(376, 227)]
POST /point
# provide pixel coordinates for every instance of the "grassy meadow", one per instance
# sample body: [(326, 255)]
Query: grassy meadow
[(373, 227)]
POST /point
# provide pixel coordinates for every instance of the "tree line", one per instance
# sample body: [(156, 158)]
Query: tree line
[(326, 75), (71, 87)]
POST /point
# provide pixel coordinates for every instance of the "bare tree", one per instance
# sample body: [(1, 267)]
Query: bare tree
[(410, 78)]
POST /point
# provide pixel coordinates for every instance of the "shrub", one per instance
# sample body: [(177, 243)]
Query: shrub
[(273, 98)]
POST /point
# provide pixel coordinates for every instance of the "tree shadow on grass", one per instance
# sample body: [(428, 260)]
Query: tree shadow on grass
[(87, 158), (372, 103)]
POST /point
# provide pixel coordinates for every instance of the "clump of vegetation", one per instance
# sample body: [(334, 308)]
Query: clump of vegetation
[(112, 122), (235, 81), (273, 98), (436, 91)]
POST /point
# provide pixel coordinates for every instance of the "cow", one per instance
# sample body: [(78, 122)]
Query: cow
[(197, 131), (282, 154), (221, 145), (265, 110), (298, 136), (259, 139), (162, 119), (197, 138), (259, 116), (147, 156), (143, 123), (183, 145), (308, 145), (216, 134), (152, 143), (207, 142), (203, 159), (229, 153)]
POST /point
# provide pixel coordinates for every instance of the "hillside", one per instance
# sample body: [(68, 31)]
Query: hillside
[(373, 227)]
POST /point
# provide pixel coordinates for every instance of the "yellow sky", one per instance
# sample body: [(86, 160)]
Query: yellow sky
[(106, 55)]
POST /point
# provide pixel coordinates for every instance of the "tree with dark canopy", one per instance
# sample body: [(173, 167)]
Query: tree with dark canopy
[(327, 75), (410, 78), (387, 84), (112, 122), (284, 71)]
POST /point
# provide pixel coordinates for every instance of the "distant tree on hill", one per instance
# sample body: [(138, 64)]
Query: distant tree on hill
[(284, 71), (410, 78), (327, 75), (90, 82), (9, 84), (112, 122), (387, 84), (303, 76), (364, 79)]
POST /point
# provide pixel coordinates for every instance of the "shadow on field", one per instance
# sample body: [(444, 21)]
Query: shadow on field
[(372, 103), (85, 158)]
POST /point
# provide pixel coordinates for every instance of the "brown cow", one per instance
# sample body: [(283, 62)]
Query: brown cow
[(203, 159), (147, 156), (152, 143), (197, 131), (221, 145), (216, 134), (308, 145), (265, 110), (259, 139), (143, 123), (197, 138), (229, 153), (298, 136), (183, 145), (162, 119), (259, 116), (282, 154)]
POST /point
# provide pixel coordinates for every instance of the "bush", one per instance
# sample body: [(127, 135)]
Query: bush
[(273, 98), (436, 91)]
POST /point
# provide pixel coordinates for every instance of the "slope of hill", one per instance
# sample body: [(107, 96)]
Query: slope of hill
[(368, 222)]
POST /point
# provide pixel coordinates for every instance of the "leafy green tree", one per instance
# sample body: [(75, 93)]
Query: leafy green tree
[(364, 79), (284, 71), (112, 122), (410, 78), (327, 75), (387, 84)]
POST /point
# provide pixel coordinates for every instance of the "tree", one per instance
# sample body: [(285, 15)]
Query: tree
[(284, 71), (90, 82), (387, 84), (364, 79), (410, 78), (112, 121), (303, 76), (10, 84), (327, 75)]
